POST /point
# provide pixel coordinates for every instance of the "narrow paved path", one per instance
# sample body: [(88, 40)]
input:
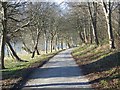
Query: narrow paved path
[(60, 72)]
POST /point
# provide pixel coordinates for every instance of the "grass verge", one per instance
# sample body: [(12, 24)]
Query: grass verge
[(100, 65), (16, 71)]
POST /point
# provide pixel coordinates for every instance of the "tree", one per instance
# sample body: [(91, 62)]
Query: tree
[(8, 10), (4, 32), (94, 21), (108, 12)]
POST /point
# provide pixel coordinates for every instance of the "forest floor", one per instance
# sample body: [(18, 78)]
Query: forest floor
[(100, 65), (16, 71)]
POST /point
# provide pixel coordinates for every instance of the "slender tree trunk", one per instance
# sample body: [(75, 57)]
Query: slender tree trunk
[(10, 53), (56, 42), (38, 52), (72, 41), (26, 48), (81, 37), (61, 44), (51, 45), (58, 46), (46, 45), (91, 34), (35, 49), (33, 54), (36, 45), (46, 42), (110, 31), (94, 21), (68, 45), (46, 49), (85, 35), (13, 51), (4, 33)]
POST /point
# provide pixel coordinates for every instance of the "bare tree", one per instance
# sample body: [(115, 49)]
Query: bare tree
[(8, 11)]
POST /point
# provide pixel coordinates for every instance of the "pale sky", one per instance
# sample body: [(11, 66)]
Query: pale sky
[(59, 1)]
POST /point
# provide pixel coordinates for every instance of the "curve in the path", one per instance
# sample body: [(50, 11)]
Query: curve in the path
[(60, 72)]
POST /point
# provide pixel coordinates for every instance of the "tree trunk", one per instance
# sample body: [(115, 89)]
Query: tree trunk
[(91, 34), (56, 43), (85, 36), (81, 37), (46, 43), (110, 31), (38, 52), (26, 48), (69, 45), (58, 47), (108, 12), (36, 45), (3, 51), (35, 49), (61, 44), (33, 54), (94, 21), (10, 53), (13, 51), (4, 33), (51, 45)]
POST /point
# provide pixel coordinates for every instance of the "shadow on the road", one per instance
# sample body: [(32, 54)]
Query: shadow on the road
[(53, 72), (65, 53)]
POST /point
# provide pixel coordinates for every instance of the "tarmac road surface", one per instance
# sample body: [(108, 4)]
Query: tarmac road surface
[(61, 71)]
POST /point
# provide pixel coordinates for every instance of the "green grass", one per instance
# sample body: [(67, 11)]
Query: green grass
[(80, 51), (15, 70)]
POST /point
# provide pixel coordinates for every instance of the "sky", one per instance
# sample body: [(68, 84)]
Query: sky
[(58, 1)]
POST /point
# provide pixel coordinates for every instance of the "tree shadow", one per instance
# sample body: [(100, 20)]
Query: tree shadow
[(103, 64), (54, 72), (104, 78), (12, 74)]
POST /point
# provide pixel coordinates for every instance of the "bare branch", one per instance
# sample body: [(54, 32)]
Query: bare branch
[(14, 19)]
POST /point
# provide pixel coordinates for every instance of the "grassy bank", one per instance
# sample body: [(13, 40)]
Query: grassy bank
[(100, 65), (16, 71)]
